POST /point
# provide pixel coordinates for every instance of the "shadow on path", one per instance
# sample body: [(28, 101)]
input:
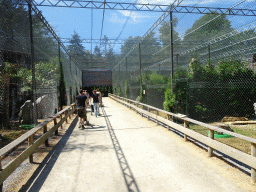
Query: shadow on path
[(127, 173), (36, 181)]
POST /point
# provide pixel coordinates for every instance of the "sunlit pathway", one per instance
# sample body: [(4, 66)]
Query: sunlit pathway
[(121, 151)]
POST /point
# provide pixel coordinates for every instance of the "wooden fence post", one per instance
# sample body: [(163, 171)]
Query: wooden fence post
[(30, 142), (253, 153), (61, 119), (148, 111), (185, 125), (210, 149), (70, 114), (168, 126), (46, 141), (55, 123), (65, 116), (157, 122)]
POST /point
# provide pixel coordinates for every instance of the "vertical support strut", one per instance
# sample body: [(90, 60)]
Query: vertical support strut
[(32, 61), (171, 42), (140, 65)]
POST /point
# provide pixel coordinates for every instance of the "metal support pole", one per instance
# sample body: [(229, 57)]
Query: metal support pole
[(140, 66), (171, 42), (32, 61)]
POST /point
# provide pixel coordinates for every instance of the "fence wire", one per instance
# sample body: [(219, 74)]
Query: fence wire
[(204, 66), (37, 76), (44, 86)]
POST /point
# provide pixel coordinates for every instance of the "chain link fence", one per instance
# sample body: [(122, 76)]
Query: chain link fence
[(201, 65)]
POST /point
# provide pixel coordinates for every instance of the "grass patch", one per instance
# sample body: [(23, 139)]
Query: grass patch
[(240, 144), (12, 134)]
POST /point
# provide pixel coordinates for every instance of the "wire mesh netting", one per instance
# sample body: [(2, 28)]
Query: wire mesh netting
[(37, 75), (201, 65), (37, 78)]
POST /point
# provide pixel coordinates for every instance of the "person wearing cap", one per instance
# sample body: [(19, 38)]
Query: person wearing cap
[(81, 101), (95, 98)]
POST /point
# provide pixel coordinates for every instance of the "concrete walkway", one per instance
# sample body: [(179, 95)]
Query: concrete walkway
[(121, 151)]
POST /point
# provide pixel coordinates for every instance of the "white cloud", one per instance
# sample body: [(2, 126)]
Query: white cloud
[(115, 19), (136, 17)]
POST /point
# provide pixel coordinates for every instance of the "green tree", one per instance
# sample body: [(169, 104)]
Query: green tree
[(207, 27), (78, 52)]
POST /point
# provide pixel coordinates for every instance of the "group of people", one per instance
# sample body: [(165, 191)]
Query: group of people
[(83, 101)]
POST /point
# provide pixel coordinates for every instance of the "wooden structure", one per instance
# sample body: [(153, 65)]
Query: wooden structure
[(33, 145), (212, 144)]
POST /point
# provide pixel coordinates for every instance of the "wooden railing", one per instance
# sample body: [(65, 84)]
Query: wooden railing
[(245, 158), (33, 145)]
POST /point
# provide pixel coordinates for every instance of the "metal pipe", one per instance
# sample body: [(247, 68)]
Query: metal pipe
[(171, 42), (140, 65), (32, 62)]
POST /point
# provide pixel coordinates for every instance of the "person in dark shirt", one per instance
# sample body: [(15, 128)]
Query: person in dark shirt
[(95, 98), (81, 101)]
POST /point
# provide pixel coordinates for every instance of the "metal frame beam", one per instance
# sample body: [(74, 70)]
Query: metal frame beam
[(142, 7), (41, 17)]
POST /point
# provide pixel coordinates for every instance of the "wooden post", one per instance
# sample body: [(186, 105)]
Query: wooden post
[(185, 125), (253, 171), (46, 141), (61, 119), (65, 116), (148, 111), (55, 123), (157, 122), (70, 114), (168, 126), (30, 142), (210, 150)]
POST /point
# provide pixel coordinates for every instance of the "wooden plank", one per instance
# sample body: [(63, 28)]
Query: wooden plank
[(26, 153), (26, 135), (215, 128), (232, 152), (210, 149), (7, 171), (253, 153), (30, 142)]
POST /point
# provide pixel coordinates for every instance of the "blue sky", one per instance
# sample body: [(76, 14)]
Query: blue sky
[(67, 20)]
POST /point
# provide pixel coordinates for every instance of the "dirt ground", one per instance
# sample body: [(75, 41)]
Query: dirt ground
[(22, 175)]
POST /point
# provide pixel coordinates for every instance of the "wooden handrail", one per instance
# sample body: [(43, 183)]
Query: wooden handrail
[(212, 144), (8, 169), (212, 127), (26, 135)]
